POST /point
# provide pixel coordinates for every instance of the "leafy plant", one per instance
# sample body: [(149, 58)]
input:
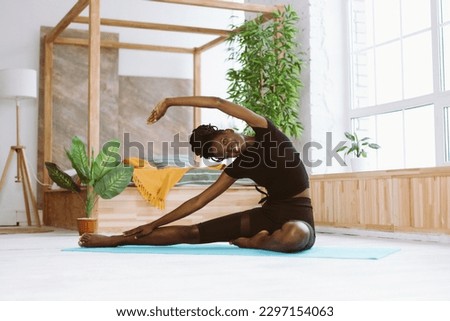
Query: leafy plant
[(357, 146), (104, 176), (267, 79)]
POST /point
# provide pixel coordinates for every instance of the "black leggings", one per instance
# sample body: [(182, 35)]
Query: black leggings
[(270, 217)]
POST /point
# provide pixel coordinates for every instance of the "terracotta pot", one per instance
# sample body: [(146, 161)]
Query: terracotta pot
[(87, 225)]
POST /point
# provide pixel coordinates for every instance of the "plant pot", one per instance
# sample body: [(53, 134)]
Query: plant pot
[(87, 225), (359, 164)]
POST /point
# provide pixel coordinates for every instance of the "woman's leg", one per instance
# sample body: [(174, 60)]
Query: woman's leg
[(166, 235), (293, 236), (222, 229), (245, 229)]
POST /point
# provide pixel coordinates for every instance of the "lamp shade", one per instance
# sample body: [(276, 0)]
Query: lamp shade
[(18, 83)]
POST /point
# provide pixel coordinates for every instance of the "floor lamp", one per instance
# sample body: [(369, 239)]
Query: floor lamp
[(20, 84)]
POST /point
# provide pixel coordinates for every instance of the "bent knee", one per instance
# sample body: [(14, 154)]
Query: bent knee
[(297, 236)]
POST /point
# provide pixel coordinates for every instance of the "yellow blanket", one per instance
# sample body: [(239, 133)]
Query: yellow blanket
[(153, 183)]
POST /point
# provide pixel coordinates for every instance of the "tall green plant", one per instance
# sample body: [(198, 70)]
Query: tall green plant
[(104, 175), (267, 77)]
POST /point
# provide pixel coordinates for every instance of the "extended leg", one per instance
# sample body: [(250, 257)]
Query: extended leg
[(166, 235), (293, 236)]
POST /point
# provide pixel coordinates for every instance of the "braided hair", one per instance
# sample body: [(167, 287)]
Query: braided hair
[(201, 139)]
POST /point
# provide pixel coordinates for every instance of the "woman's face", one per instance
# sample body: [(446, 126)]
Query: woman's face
[(227, 144)]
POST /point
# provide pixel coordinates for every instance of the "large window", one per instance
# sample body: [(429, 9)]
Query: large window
[(400, 58)]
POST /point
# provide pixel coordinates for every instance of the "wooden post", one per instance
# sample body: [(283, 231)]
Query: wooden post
[(123, 45), (48, 107), (94, 78), (197, 82), (93, 140), (250, 7), (197, 85), (155, 26)]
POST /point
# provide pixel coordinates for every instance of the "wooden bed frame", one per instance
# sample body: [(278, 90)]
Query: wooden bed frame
[(128, 208)]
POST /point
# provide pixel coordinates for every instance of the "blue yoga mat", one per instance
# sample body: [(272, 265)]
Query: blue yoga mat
[(361, 253)]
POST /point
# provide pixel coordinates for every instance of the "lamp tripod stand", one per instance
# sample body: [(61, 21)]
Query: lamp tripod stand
[(14, 85)]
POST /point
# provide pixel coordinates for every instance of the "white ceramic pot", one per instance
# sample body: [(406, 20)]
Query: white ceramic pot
[(359, 164)]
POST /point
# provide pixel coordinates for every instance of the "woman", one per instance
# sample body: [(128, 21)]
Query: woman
[(284, 223)]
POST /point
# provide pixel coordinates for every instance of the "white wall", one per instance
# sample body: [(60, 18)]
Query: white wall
[(20, 22), (328, 80), (324, 97)]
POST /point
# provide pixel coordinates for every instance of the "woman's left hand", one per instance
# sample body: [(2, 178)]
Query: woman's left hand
[(140, 231), (157, 112)]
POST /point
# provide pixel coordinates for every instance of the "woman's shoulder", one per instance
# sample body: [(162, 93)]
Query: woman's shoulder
[(268, 127), (272, 130)]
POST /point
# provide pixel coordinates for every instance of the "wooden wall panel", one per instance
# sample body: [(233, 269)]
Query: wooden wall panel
[(400, 200), (445, 202), (425, 198), (376, 203)]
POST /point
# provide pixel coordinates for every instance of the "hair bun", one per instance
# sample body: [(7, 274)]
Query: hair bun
[(201, 138)]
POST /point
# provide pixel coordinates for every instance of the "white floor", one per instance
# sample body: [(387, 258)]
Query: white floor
[(33, 267)]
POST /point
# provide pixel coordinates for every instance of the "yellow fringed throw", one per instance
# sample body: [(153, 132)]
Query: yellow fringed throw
[(154, 183)]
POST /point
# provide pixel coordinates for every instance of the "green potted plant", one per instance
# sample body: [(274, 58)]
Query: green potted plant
[(358, 148), (101, 176), (267, 77)]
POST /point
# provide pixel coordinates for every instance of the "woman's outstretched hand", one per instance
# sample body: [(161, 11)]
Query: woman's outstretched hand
[(157, 112), (140, 231)]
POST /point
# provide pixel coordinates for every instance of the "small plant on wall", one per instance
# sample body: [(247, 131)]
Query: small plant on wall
[(267, 79), (357, 146)]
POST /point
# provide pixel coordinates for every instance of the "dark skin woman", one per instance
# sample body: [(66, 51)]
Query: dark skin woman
[(284, 223)]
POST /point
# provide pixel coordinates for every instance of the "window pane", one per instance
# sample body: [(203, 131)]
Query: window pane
[(417, 65), (446, 56), (363, 79), (390, 138), (445, 9), (388, 73), (362, 24), (415, 16), (387, 20), (419, 137)]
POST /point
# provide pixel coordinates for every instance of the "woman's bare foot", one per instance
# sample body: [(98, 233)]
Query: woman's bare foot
[(254, 242), (97, 240)]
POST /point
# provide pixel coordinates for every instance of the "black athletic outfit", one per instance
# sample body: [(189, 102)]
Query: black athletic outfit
[(272, 162)]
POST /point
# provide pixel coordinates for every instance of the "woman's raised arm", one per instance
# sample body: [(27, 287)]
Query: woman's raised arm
[(229, 108)]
